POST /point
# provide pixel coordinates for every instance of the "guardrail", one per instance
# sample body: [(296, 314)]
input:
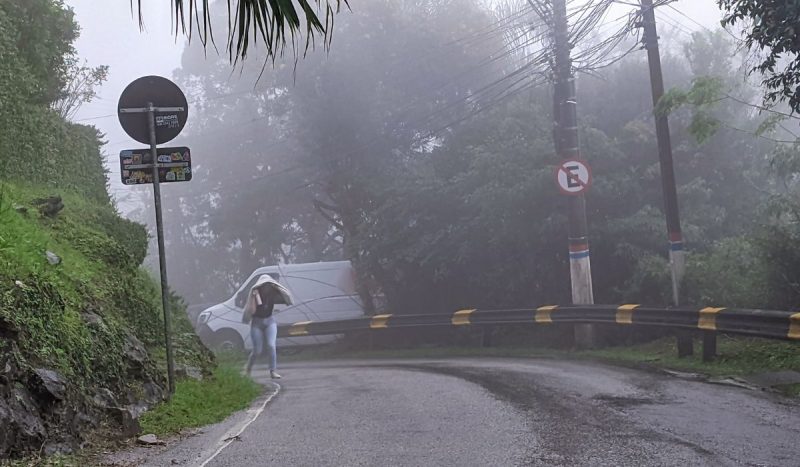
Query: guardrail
[(768, 324)]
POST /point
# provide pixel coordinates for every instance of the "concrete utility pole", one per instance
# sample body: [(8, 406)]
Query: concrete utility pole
[(677, 255), (565, 134)]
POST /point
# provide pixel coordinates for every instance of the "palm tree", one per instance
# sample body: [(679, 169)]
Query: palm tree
[(249, 20)]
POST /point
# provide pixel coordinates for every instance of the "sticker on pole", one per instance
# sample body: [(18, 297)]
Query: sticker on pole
[(573, 177), (174, 165)]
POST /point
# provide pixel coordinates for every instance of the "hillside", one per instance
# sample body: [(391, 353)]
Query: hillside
[(80, 341)]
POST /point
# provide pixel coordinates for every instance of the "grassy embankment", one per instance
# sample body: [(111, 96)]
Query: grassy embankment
[(75, 317)]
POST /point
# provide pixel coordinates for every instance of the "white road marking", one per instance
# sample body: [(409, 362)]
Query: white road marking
[(231, 437)]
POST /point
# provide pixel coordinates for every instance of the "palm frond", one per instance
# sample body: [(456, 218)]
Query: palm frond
[(271, 21)]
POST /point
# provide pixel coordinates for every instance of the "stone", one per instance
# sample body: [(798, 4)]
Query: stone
[(50, 206), (52, 258), (8, 330), (52, 384), (19, 208), (25, 416), (150, 440), (153, 393), (128, 420), (135, 350), (51, 449), (91, 319), (104, 399)]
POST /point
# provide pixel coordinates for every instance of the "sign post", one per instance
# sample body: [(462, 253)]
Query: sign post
[(153, 124)]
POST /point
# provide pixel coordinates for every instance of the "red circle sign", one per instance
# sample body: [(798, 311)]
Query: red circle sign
[(573, 176)]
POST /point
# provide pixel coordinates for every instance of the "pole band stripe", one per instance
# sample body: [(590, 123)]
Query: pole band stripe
[(676, 246), (708, 318), (461, 317), (543, 314), (625, 314), (579, 254), (379, 322)]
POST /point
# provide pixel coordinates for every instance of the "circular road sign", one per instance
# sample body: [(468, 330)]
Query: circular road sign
[(573, 176), (164, 95)]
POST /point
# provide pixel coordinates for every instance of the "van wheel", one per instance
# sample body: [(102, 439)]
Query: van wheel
[(228, 340)]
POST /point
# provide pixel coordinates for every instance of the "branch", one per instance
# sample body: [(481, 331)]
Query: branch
[(322, 208)]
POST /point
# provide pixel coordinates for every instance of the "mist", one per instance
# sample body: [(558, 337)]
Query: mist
[(419, 147)]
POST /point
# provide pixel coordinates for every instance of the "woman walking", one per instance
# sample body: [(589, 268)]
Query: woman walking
[(263, 328)]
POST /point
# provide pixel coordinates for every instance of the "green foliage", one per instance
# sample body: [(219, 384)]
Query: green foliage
[(771, 29), (41, 32), (736, 356), (37, 146), (52, 304), (733, 272), (199, 403), (702, 95)]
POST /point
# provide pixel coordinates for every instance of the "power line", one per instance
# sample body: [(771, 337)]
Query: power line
[(738, 39)]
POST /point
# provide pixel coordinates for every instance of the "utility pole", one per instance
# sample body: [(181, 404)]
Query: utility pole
[(677, 255), (567, 145)]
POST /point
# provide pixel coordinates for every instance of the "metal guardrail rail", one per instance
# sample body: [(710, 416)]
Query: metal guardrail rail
[(770, 324)]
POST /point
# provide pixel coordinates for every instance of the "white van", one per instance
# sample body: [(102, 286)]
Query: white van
[(321, 291)]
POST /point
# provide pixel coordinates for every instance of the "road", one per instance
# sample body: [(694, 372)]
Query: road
[(483, 412)]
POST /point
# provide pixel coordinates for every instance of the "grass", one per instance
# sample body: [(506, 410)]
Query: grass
[(200, 403), (736, 356)]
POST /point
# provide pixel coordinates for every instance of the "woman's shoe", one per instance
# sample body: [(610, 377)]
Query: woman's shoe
[(274, 375)]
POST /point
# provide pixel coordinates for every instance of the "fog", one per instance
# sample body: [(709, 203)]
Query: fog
[(420, 148), (111, 36)]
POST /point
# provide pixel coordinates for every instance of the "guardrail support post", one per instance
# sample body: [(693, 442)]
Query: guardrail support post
[(709, 346), (486, 336)]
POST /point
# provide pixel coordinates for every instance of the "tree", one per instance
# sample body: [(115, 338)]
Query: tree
[(79, 88), (771, 28), (316, 178), (251, 20)]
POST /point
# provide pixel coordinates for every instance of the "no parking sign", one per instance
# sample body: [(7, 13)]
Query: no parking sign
[(573, 176)]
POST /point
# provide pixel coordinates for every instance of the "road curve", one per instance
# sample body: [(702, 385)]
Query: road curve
[(464, 412)]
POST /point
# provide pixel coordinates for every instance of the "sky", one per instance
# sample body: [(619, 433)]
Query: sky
[(110, 35)]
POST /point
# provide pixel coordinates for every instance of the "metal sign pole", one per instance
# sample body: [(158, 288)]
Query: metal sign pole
[(162, 260)]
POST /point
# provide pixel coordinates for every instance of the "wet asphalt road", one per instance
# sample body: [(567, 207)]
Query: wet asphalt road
[(488, 412)]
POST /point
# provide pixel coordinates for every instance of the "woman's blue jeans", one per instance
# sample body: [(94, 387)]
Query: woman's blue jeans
[(264, 333)]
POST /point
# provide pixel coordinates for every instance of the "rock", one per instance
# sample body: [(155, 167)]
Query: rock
[(91, 319), (50, 384), (153, 393), (84, 419), (51, 449), (104, 399), (135, 350), (21, 422), (128, 419), (49, 207), (19, 208), (8, 330), (184, 372), (150, 440), (52, 258)]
